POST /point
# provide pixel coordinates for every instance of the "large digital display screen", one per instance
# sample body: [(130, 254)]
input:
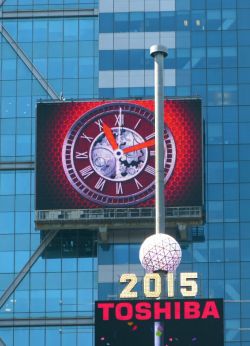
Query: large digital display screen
[(102, 154), (197, 322)]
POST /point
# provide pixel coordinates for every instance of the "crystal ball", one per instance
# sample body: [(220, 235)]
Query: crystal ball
[(160, 252)]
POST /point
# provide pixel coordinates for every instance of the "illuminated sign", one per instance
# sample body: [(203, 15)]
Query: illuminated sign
[(101, 154), (188, 285), (185, 322), (158, 310)]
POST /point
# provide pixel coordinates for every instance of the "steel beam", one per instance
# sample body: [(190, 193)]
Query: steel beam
[(14, 166), (49, 13), (44, 83), (2, 2), (24, 271), (47, 322)]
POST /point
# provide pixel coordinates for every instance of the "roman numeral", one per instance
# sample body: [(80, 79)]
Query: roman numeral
[(118, 188), (86, 172), (99, 123), (150, 170), (152, 135), (100, 184), (119, 119), (136, 125), (83, 155), (86, 137), (138, 184)]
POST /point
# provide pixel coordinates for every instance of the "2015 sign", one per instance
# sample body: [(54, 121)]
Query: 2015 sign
[(153, 284)]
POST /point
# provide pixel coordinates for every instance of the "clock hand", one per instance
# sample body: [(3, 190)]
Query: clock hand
[(139, 146), (110, 136), (119, 127)]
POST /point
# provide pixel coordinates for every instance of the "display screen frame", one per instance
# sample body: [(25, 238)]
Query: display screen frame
[(185, 185), (182, 325)]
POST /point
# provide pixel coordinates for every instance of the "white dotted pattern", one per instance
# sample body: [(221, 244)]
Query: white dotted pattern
[(160, 252)]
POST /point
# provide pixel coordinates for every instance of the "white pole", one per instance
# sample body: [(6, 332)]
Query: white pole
[(159, 52)]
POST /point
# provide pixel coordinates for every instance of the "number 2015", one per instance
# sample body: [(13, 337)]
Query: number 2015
[(152, 285)]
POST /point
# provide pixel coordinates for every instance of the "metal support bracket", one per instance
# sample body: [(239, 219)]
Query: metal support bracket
[(103, 233)]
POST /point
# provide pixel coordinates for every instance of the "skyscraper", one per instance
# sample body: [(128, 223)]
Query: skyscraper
[(66, 50)]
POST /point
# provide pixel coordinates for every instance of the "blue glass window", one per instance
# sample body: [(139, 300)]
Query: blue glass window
[(244, 129), (231, 191), (106, 22), (37, 336), (40, 29), (105, 254), (55, 32), (216, 250), (245, 253), (214, 95), (198, 57), (232, 252), (86, 67), (25, 31), (87, 29), (183, 59), (70, 30), (152, 21), (199, 76), (215, 231), (228, 19), (121, 22), (198, 39), (215, 211), (121, 254), (216, 270), (213, 57), (9, 69), (215, 133), (137, 22), (215, 192), (229, 56), (244, 94), (230, 131), (198, 4), (121, 60), (213, 38), (136, 59), (6, 262), (198, 20), (213, 19), (167, 21), (214, 76), (229, 38), (243, 18), (121, 92), (106, 60), (183, 20)]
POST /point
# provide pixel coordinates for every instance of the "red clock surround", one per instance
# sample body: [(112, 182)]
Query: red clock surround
[(108, 154), (88, 154)]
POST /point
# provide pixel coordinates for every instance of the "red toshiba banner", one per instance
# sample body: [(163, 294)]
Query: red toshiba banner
[(183, 322), (101, 154), (157, 310)]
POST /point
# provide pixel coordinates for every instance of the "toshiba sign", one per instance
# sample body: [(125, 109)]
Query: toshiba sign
[(186, 322), (157, 310)]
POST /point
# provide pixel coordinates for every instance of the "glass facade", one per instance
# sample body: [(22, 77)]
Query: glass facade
[(81, 50)]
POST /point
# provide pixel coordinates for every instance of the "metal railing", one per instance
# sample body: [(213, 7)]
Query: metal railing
[(116, 213)]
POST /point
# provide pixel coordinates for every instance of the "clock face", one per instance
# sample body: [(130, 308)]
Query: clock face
[(108, 154)]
